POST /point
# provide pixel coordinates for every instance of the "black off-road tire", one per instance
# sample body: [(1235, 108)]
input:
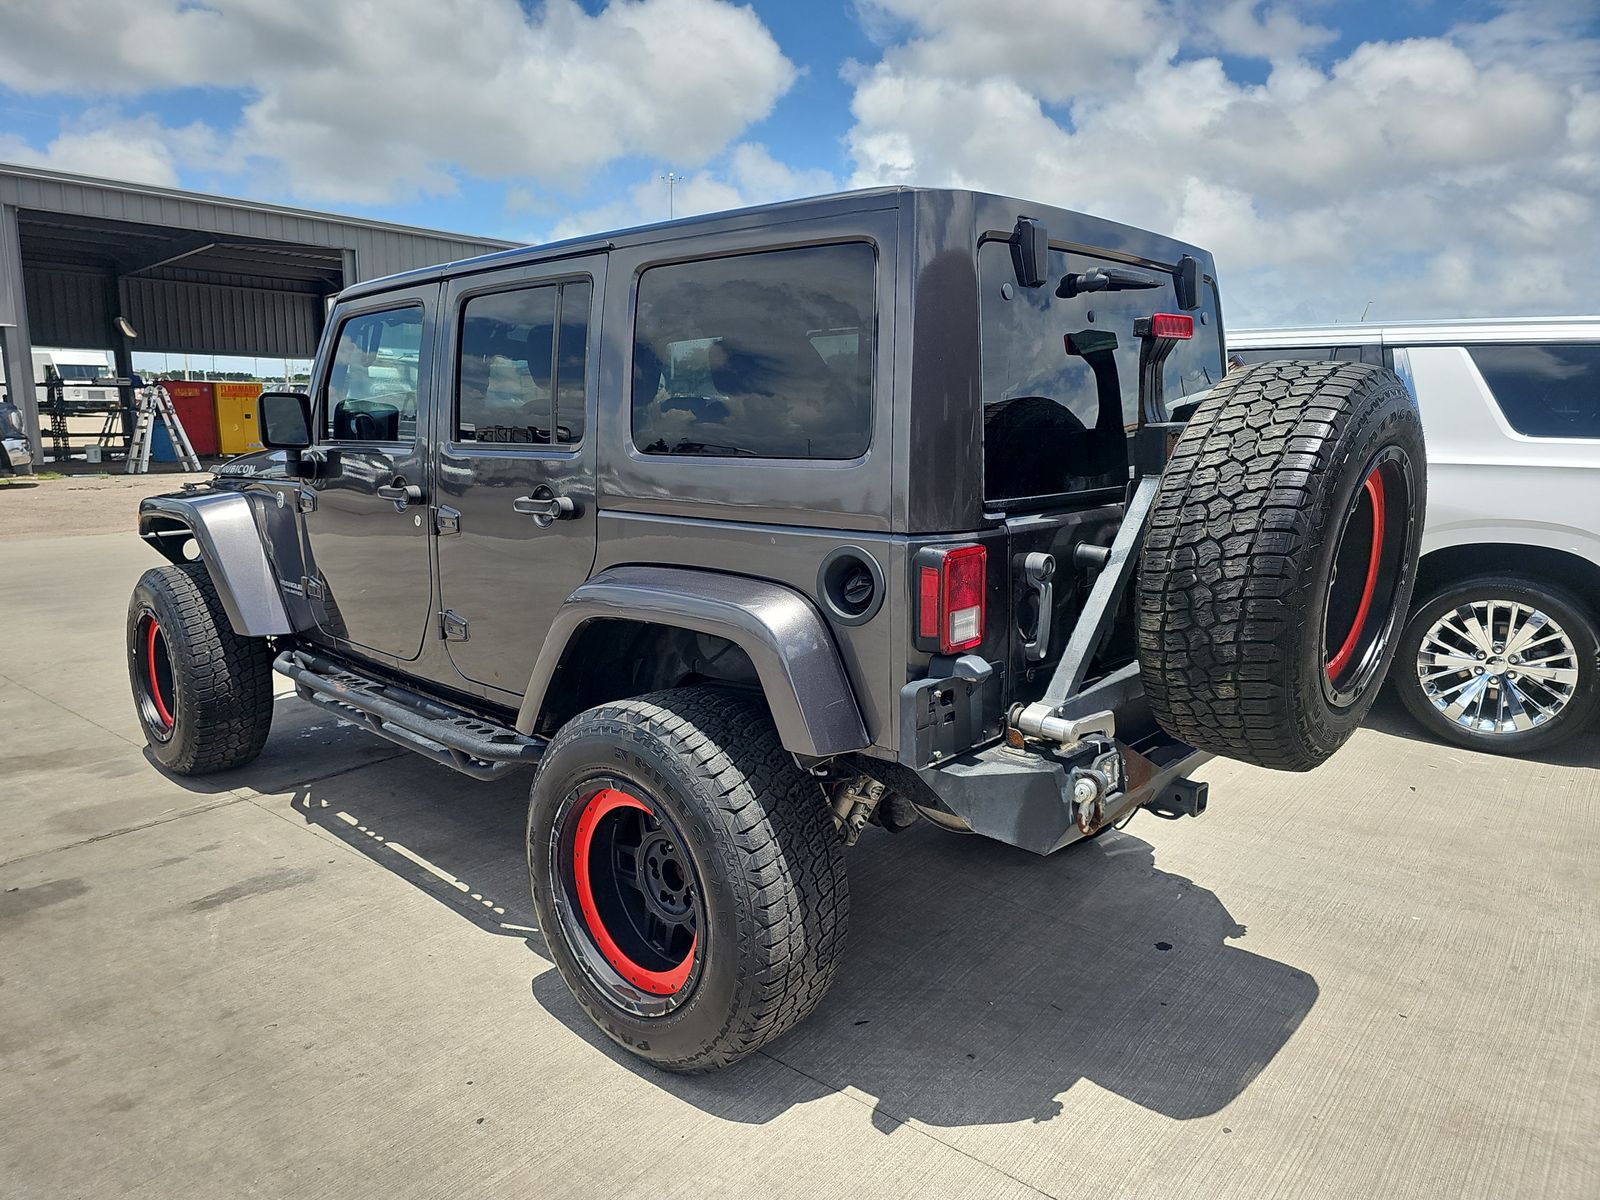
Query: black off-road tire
[(203, 693), (1250, 646), (1579, 634), (764, 862)]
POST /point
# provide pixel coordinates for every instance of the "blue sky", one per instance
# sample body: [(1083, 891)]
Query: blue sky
[(1401, 148)]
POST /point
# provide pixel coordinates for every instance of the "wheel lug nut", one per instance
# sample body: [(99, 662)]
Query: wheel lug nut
[(1482, 654)]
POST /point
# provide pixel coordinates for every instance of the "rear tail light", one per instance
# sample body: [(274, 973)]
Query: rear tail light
[(952, 582)]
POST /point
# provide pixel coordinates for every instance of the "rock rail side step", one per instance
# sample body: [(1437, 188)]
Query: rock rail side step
[(460, 740)]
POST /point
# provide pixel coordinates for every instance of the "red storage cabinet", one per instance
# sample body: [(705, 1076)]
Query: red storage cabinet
[(196, 405)]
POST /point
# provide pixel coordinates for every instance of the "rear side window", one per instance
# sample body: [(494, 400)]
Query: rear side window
[(520, 379), (767, 355), (1548, 391), (371, 394), (1298, 353)]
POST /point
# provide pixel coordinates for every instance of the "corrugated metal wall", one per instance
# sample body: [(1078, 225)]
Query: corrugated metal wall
[(193, 318), (380, 248), (67, 308)]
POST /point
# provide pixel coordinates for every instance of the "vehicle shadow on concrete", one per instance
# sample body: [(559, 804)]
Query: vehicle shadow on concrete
[(980, 983), (1389, 716)]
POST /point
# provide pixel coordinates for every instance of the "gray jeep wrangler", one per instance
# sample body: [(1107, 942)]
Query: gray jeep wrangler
[(749, 530)]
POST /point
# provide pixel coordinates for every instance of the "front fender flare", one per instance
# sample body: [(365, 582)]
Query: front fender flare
[(230, 546), (783, 633)]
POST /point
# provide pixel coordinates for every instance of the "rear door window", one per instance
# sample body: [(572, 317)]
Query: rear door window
[(1550, 391), (766, 355), (522, 361)]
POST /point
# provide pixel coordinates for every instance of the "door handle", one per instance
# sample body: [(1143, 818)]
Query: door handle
[(545, 507), (400, 491)]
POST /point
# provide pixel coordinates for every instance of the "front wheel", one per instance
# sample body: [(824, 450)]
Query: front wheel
[(1500, 664), (687, 876), (202, 692)]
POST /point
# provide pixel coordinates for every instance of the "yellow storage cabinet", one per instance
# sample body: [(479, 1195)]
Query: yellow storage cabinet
[(238, 431)]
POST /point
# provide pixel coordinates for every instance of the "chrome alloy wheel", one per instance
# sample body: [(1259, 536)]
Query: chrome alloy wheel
[(1498, 666)]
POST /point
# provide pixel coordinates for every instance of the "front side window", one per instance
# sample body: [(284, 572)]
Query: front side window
[(371, 393), (1550, 391), (520, 377), (767, 355)]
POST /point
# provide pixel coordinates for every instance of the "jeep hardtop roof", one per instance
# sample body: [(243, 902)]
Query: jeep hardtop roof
[(1095, 234)]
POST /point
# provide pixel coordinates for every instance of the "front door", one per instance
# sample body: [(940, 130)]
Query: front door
[(367, 529), (515, 480)]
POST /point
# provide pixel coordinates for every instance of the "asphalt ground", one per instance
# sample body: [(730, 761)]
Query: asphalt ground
[(320, 975)]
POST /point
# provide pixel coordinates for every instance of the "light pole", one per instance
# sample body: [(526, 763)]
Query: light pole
[(671, 179)]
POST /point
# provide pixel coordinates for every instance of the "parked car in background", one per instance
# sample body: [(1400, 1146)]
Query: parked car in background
[(1500, 652), (16, 451)]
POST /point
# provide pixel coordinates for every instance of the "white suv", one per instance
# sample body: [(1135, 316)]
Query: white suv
[(1501, 651)]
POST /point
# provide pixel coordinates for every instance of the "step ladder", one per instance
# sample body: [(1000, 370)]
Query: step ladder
[(150, 404)]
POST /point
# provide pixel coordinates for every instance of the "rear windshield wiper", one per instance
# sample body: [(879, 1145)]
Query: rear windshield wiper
[(1104, 279)]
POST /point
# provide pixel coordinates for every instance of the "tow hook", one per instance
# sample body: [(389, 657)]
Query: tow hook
[(1091, 786)]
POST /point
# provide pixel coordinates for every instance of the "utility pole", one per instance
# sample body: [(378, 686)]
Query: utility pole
[(671, 179)]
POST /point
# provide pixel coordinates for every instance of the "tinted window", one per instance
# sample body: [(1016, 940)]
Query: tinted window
[(371, 394), (1545, 391), (760, 354), (1061, 375), (518, 380), (1299, 353)]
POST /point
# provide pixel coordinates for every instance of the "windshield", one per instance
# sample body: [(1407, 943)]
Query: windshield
[(1061, 376), (81, 372)]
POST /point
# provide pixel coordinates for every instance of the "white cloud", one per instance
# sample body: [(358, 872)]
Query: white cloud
[(749, 175), (375, 100), (1434, 176), (1255, 30), (103, 142)]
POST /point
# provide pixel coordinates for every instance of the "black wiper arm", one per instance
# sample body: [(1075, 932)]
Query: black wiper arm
[(1104, 279)]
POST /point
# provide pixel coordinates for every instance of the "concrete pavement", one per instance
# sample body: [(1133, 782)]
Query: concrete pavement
[(320, 976)]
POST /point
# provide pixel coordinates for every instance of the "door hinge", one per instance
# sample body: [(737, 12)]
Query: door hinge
[(312, 586), (308, 500), (454, 626), (447, 519)]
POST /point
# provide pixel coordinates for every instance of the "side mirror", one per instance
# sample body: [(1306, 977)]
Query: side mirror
[(285, 420)]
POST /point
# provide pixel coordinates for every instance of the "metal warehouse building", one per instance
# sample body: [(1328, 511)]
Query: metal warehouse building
[(188, 273)]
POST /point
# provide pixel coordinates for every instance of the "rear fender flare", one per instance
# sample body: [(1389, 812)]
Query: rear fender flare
[(785, 636), (224, 529)]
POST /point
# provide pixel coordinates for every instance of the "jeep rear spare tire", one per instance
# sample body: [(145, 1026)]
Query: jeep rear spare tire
[(1279, 561), (687, 875)]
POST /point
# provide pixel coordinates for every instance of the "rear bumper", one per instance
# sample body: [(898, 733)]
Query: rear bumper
[(1025, 799), (18, 452)]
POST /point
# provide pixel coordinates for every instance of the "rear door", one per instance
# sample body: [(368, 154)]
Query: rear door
[(1061, 395), (515, 477), (367, 540)]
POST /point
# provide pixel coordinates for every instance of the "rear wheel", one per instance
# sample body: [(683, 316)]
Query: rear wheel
[(1500, 664), (203, 693), (687, 876)]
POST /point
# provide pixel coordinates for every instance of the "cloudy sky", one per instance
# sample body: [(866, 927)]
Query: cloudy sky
[(1433, 157)]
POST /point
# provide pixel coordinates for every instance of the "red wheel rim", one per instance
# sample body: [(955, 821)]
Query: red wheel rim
[(153, 674), (658, 982), (1375, 495)]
